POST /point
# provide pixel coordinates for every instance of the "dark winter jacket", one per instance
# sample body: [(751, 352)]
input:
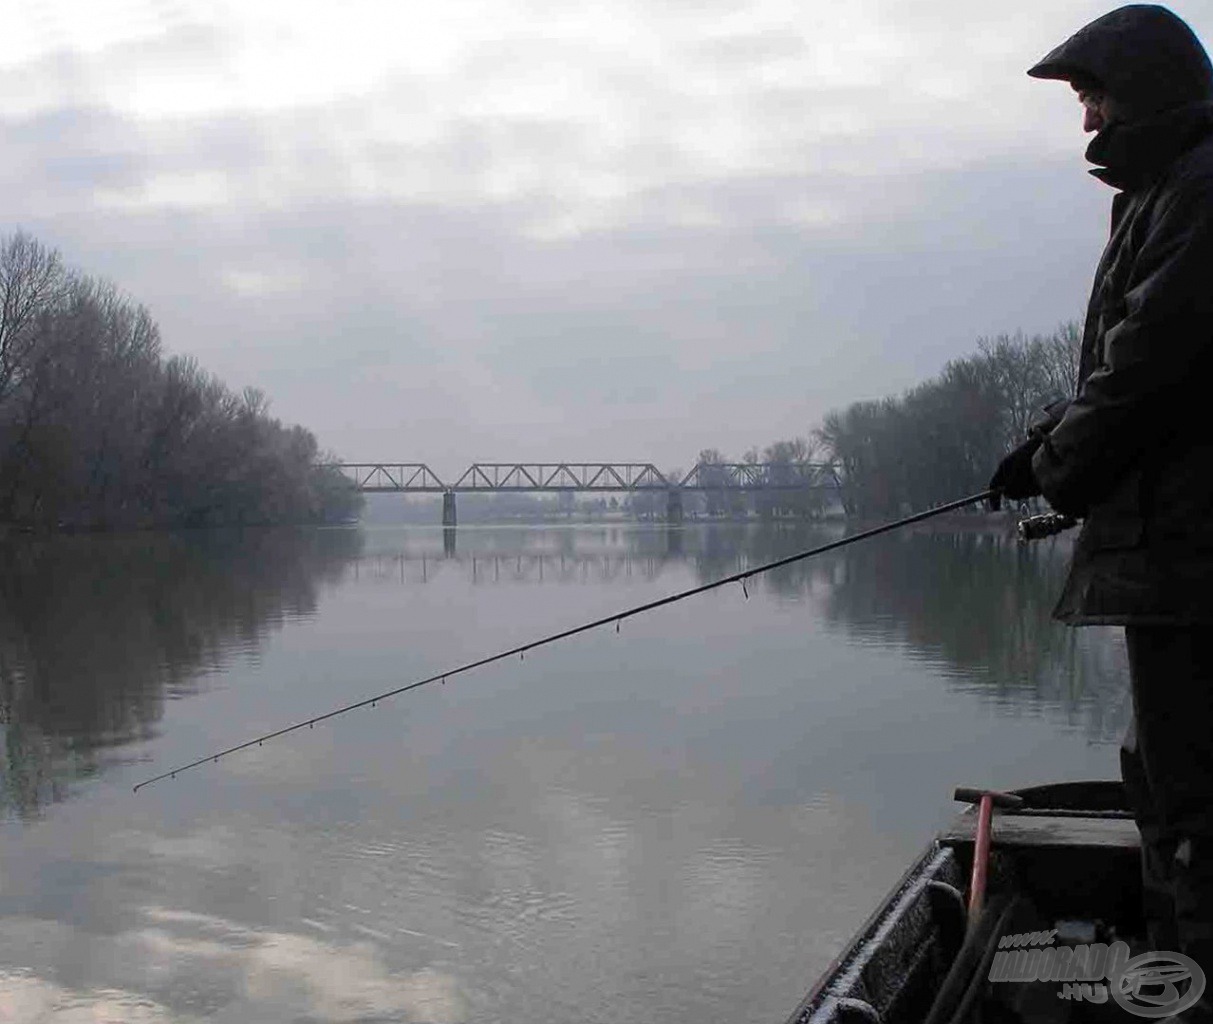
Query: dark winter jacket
[(1132, 453)]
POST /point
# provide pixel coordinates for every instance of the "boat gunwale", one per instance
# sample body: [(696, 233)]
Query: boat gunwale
[(836, 987), (839, 980)]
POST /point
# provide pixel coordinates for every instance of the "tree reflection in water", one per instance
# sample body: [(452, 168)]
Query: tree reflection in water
[(974, 600), (966, 596), (97, 632)]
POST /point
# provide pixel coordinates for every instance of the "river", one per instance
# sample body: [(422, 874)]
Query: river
[(680, 820)]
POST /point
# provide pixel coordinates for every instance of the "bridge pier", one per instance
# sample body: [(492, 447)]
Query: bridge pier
[(448, 508), (673, 506)]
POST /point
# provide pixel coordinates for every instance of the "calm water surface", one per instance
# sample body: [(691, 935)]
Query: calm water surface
[(682, 821)]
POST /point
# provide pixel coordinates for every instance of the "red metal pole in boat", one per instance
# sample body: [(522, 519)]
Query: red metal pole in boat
[(981, 857), (986, 799)]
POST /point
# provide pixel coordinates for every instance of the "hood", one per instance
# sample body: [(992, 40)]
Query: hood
[(1142, 55)]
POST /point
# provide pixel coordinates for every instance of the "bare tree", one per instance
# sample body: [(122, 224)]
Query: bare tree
[(1017, 369), (943, 438), (713, 477), (32, 281), (1062, 349), (97, 430)]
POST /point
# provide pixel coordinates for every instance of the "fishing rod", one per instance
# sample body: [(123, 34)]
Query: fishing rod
[(617, 618)]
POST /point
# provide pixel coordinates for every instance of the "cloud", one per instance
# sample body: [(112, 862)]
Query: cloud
[(24, 998), (183, 966)]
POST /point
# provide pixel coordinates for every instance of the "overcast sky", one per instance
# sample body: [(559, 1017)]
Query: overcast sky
[(500, 230)]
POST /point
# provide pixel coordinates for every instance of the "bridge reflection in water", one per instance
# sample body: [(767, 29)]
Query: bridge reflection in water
[(965, 596), (526, 555), (530, 567)]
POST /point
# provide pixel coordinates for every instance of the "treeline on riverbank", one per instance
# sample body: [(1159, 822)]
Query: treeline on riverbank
[(936, 442), (99, 430), (942, 439)]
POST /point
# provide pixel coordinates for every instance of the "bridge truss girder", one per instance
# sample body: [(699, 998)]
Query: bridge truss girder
[(391, 477), (417, 477), (561, 476)]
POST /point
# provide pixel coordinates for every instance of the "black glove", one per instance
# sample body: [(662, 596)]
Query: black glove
[(1014, 477)]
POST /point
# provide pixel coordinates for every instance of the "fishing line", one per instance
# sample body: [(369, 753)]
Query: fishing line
[(616, 618)]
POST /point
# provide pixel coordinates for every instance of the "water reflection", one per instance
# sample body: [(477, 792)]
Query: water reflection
[(95, 634), (682, 822), (979, 603), (972, 600)]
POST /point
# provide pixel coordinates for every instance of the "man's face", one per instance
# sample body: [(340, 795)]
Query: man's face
[(1098, 109)]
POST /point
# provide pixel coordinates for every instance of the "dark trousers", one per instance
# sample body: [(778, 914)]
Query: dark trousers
[(1167, 766)]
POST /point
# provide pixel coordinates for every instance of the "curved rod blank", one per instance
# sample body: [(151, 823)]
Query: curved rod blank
[(739, 577)]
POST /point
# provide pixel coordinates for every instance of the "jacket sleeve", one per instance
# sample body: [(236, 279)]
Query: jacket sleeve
[(1048, 418), (1152, 359)]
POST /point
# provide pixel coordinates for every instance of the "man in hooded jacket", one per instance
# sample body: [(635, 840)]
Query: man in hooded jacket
[(1131, 454)]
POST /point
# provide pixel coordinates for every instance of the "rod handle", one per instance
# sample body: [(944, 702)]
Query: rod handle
[(1039, 527)]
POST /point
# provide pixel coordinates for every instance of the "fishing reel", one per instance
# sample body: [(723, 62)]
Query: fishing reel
[(1046, 525)]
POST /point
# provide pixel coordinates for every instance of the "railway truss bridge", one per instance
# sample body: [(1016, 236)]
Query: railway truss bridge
[(715, 478)]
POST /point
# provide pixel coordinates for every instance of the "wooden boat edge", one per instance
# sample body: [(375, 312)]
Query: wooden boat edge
[(844, 990)]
